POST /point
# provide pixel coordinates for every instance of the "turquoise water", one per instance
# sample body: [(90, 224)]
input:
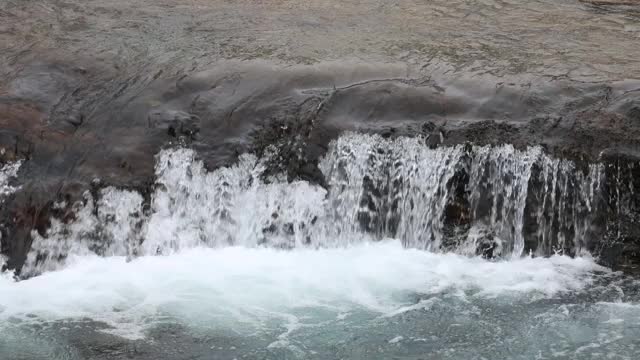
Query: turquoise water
[(370, 301)]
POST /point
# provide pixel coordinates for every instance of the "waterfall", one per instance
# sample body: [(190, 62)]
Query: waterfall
[(498, 187), (566, 204), (495, 201), (394, 188), (7, 172)]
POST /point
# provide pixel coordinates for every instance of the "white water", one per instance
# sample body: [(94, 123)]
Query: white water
[(376, 181), (378, 188), (293, 270), (243, 288), (7, 173)]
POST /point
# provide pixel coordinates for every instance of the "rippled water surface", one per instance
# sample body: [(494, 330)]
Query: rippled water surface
[(555, 38)]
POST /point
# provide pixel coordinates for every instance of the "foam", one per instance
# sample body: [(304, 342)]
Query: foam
[(248, 286), (376, 188), (8, 172)]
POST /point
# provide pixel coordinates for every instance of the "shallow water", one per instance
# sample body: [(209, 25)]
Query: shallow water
[(557, 39), (368, 301)]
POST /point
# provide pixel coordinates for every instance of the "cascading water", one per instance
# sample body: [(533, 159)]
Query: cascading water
[(7, 172), (499, 184), (232, 263), (377, 188), (392, 188), (566, 204)]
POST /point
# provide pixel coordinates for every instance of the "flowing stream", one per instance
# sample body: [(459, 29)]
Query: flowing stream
[(408, 252)]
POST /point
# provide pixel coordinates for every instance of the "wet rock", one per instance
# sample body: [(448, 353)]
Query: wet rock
[(612, 2), (288, 115), (620, 246), (487, 246), (176, 123), (288, 229), (483, 242)]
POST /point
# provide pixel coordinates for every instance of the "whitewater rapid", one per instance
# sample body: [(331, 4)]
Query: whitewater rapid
[(220, 287), (363, 301)]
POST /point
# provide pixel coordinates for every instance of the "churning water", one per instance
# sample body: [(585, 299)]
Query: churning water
[(368, 301), (409, 252)]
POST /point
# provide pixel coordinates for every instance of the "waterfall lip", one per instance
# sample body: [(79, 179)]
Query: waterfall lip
[(472, 200), (242, 107)]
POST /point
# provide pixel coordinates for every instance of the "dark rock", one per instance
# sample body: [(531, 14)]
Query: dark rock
[(175, 122), (72, 134)]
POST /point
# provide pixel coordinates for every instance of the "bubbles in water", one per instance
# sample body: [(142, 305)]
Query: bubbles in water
[(244, 288)]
